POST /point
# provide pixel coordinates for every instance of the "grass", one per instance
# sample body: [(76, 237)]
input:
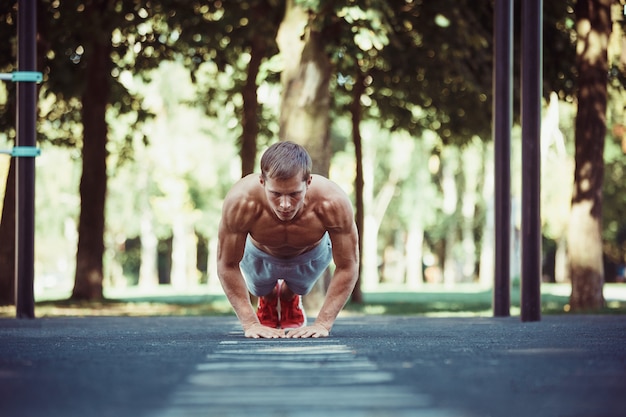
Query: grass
[(431, 300), (427, 301), (472, 301)]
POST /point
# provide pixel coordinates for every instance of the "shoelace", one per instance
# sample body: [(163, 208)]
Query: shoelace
[(267, 311)]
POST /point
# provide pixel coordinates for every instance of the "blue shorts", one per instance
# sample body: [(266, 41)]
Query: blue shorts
[(261, 270)]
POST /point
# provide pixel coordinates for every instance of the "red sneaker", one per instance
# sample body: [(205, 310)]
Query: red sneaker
[(267, 312), (292, 313)]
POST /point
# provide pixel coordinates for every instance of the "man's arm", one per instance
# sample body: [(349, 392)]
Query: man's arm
[(231, 245), (344, 238), (345, 255)]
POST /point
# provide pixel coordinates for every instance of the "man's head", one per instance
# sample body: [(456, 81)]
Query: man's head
[(285, 160), (286, 176)]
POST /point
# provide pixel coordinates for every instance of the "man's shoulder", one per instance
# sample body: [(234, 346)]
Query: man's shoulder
[(242, 203), (332, 204)]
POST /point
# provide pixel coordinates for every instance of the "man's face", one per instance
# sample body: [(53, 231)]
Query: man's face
[(285, 197)]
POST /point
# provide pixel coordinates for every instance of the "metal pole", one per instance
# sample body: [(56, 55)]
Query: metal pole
[(532, 74), (502, 122), (25, 178)]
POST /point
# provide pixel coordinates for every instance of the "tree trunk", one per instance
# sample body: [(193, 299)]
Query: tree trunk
[(450, 262), (471, 165), (7, 241), (212, 279), (414, 254), (593, 25), (251, 108), (560, 261), (148, 272), (355, 111), (184, 254), (487, 266), (369, 254), (305, 107), (376, 205), (93, 183), (148, 268)]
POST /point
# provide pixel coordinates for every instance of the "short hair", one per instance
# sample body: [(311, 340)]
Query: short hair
[(284, 160)]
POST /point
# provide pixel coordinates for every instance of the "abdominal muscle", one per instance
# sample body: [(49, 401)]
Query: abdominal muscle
[(287, 240), (285, 251)]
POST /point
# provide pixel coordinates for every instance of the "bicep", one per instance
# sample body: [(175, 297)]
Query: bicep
[(339, 221)]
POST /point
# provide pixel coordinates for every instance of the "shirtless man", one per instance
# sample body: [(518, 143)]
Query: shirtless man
[(278, 233)]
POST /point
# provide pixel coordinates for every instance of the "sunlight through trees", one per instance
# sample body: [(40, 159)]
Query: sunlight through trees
[(150, 110)]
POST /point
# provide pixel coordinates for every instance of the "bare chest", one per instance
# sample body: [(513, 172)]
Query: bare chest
[(287, 239)]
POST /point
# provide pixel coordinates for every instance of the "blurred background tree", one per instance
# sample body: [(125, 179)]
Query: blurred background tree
[(157, 107)]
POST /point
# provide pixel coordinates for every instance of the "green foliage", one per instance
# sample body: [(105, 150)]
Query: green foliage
[(425, 65), (215, 42), (186, 165), (66, 31), (8, 63), (559, 49), (178, 70)]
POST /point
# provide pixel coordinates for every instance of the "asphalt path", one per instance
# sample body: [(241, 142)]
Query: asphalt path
[(561, 366)]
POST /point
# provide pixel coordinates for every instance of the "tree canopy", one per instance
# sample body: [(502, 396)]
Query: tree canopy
[(413, 71)]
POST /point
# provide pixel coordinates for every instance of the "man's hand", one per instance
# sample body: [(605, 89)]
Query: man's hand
[(315, 331), (258, 331)]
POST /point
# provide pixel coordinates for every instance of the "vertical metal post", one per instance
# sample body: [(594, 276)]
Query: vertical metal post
[(502, 123), (25, 178), (532, 75)]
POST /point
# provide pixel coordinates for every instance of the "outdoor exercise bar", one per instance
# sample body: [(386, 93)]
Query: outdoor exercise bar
[(25, 166), (532, 76), (22, 151), (502, 124), (22, 76), (531, 81)]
